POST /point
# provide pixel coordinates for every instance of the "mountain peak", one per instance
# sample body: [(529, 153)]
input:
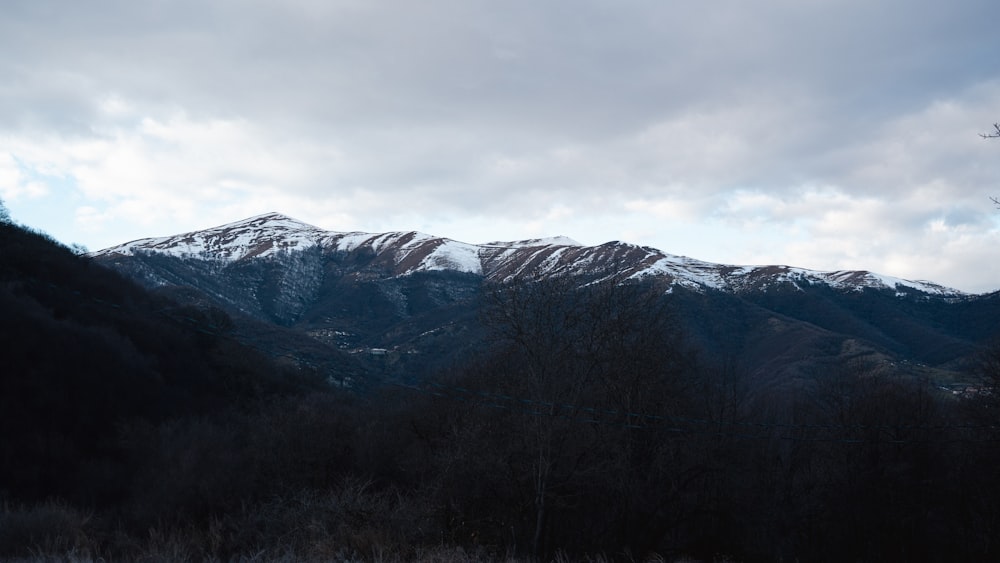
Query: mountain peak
[(259, 235), (270, 219)]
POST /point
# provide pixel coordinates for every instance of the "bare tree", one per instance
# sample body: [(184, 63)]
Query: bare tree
[(995, 134), (590, 360)]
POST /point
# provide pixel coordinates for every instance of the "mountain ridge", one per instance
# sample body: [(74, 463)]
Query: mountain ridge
[(407, 304), (407, 252)]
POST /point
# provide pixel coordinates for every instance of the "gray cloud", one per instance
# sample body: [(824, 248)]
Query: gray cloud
[(808, 123)]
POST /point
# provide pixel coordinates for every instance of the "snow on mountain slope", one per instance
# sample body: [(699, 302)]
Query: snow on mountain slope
[(403, 253), (557, 240), (273, 233), (258, 236)]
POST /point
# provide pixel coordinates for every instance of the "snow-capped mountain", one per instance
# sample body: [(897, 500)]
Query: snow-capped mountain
[(405, 253), (415, 298)]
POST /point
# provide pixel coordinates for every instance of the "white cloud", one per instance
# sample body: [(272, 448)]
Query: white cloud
[(170, 167), (16, 182), (822, 134)]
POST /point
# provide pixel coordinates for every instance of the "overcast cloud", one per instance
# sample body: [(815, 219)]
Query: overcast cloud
[(829, 134)]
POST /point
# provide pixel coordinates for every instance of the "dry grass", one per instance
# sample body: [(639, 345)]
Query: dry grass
[(352, 523), (50, 527)]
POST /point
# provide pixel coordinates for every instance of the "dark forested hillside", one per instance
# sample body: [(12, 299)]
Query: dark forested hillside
[(524, 420), (86, 351)]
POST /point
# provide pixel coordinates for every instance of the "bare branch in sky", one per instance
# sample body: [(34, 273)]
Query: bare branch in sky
[(994, 134)]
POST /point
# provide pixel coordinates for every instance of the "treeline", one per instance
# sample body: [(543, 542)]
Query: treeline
[(587, 428), (593, 428), (87, 354)]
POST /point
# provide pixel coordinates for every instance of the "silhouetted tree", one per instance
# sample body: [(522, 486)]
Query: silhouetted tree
[(995, 134), (566, 412)]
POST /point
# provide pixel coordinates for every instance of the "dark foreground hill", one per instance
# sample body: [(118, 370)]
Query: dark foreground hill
[(518, 421), (86, 351)]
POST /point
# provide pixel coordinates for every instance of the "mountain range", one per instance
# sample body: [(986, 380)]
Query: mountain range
[(402, 304), (405, 253)]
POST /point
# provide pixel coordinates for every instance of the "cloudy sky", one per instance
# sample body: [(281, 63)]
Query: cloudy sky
[(828, 134)]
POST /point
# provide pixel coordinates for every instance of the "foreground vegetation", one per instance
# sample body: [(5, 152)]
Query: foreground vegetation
[(584, 429)]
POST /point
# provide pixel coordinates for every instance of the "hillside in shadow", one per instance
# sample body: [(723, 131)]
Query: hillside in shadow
[(87, 351), (551, 422)]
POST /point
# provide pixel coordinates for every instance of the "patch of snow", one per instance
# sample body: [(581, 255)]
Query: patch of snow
[(454, 255), (685, 271), (529, 243), (347, 242)]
